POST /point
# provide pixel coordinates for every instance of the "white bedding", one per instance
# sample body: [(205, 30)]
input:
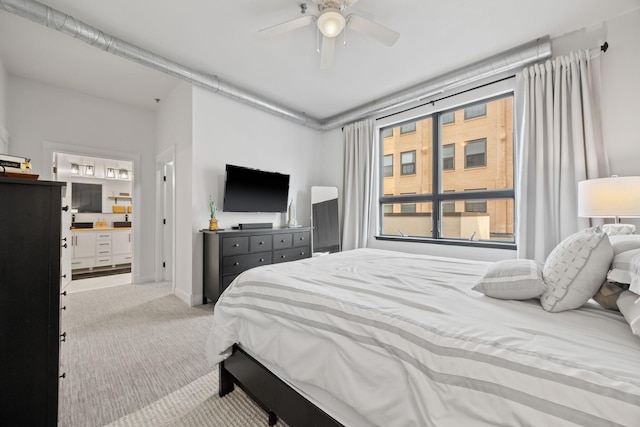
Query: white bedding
[(403, 340)]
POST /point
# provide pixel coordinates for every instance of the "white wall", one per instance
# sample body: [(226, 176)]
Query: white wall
[(41, 115), (226, 131), (174, 131)]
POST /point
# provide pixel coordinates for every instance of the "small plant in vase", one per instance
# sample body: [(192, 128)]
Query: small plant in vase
[(213, 221)]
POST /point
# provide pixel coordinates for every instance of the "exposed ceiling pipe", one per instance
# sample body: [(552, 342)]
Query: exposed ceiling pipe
[(512, 59)]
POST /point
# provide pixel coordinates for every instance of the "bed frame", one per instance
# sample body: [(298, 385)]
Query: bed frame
[(271, 393)]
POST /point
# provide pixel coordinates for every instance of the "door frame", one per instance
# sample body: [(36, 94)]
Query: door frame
[(49, 148), (162, 159)]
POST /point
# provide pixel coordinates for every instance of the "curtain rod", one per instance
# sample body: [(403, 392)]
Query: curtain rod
[(432, 102)]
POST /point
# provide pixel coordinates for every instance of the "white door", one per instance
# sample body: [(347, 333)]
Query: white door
[(168, 223)]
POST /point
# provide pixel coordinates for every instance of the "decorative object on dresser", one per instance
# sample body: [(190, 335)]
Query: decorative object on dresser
[(30, 249), (213, 221), (229, 253)]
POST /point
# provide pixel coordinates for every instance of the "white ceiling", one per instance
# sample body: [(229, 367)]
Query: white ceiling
[(219, 37)]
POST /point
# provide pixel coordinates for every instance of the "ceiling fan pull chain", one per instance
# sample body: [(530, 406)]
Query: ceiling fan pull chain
[(317, 40), (344, 35)]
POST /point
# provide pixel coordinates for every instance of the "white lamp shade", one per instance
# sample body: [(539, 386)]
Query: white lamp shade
[(609, 197), (331, 23)]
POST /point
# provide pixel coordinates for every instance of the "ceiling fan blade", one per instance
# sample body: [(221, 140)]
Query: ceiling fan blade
[(372, 29), (349, 2), (294, 24), (326, 51)]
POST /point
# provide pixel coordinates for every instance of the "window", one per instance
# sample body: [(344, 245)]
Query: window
[(448, 118), (448, 157), (477, 207), (475, 153), (474, 111), (408, 163), (388, 165), (408, 128), (387, 133)]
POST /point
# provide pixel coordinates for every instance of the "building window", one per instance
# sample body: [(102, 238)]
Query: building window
[(478, 110), (477, 207), (408, 163), (388, 165), (387, 133), (475, 153), (448, 157), (408, 128), (448, 118)]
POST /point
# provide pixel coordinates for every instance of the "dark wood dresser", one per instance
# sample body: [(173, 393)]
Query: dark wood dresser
[(30, 245), (230, 252)]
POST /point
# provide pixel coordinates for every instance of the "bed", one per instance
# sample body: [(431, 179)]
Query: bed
[(371, 337)]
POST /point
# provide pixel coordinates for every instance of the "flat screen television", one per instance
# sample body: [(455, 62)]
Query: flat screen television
[(254, 190), (86, 197)]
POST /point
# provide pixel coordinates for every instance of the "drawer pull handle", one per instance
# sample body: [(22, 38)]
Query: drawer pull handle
[(235, 245), (302, 238), (261, 243), (261, 259), (236, 263), (301, 253), (282, 241), (283, 256)]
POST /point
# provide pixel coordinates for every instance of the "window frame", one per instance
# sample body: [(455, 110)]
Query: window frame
[(402, 165), (436, 197), (386, 166)]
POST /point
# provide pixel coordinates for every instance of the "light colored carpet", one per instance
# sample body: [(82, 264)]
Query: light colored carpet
[(198, 405), (127, 347)]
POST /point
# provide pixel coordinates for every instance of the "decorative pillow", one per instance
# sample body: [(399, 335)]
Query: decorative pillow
[(512, 279), (575, 270), (607, 295), (624, 243), (618, 229), (625, 266), (629, 304)]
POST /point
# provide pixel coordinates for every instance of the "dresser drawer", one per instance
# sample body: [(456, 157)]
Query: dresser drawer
[(238, 264), (302, 238), (292, 254), (102, 261), (122, 259), (260, 243), (235, 245), (281, 241), (103, 248), (82, 263)]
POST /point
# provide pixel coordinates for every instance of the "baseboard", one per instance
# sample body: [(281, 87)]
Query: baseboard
[(185, 297)]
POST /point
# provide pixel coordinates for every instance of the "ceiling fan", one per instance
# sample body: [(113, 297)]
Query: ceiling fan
[(331, 22)]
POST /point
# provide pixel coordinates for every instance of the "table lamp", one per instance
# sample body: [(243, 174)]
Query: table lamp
[(613, 197)]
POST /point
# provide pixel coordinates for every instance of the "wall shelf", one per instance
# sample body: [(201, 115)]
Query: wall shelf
[(119, 197)]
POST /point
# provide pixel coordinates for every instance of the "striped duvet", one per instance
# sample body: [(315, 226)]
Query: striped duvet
[(401, 340)]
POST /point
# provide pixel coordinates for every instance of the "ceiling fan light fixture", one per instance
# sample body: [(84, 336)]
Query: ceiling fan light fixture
[(331, 23)]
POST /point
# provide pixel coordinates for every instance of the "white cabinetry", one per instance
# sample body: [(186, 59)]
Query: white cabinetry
[(121, 247), (102, 249), (84, 249)]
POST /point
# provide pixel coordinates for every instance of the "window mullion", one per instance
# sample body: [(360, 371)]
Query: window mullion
[(435, 179)]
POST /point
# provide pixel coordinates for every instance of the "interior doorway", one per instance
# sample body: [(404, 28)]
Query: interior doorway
[(98, 226)]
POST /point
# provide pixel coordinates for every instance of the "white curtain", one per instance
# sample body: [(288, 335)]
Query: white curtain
[(359, 173), (560, 143)]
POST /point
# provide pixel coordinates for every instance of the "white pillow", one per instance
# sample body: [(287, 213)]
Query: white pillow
[(575, 270), (512, 279), (624, 243), (629, 305), (618, 229), (625, 267)]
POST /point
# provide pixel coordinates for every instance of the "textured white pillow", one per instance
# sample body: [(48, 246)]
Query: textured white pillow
[(618, 229), (624, 243), (629, 305), (625, 267), (512, 279), (575, 270)]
